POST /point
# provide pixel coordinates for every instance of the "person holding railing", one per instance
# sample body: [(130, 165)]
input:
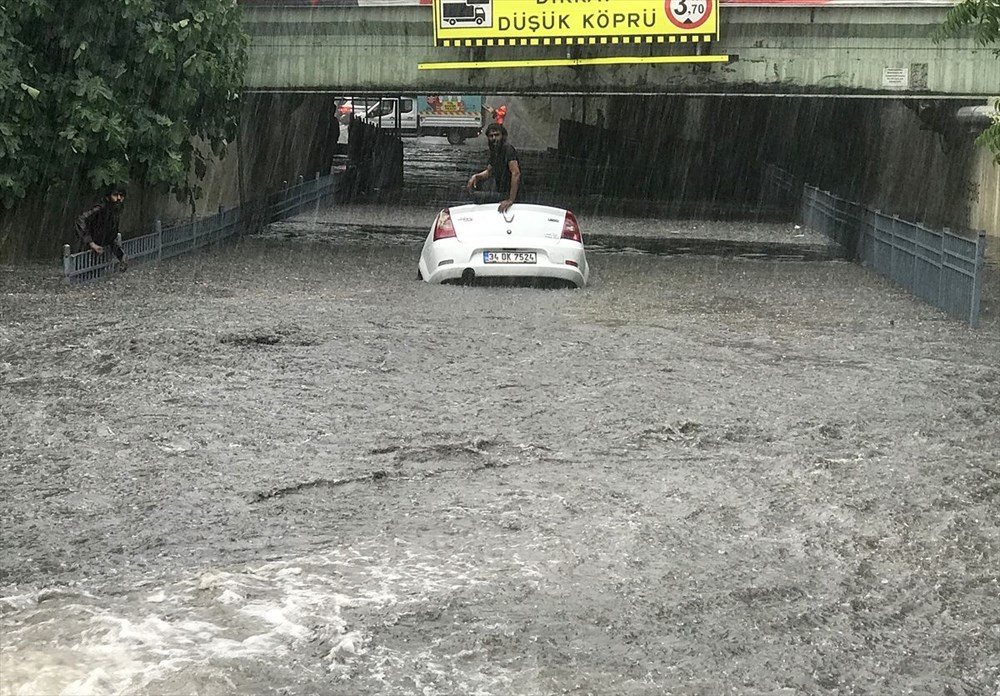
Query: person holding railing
[(97, 228)]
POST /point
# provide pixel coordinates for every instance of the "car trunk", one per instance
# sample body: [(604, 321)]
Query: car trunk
[(522, 225)]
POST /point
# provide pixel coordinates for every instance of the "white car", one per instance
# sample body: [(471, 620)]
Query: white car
[(528, 242)]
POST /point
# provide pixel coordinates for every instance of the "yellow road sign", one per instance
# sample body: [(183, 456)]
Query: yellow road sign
[(573, 22)]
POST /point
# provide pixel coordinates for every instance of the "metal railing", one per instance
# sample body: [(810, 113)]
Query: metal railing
[(197, 233), (939, 267), (779, 188)]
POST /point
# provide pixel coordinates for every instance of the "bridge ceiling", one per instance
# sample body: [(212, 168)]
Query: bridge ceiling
[(826, 50)]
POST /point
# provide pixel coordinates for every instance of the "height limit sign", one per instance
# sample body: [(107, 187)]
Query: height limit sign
[(688, 14)]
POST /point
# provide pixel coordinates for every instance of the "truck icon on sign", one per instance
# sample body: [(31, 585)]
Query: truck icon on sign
[(464, 13)]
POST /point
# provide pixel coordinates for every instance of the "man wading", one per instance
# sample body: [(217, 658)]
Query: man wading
[(97, 228), (503, 168)]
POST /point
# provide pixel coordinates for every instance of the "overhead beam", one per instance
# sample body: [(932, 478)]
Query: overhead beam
[(829, 50)]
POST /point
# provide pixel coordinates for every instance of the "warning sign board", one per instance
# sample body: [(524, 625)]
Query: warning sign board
[(573, 22), (689, 14)]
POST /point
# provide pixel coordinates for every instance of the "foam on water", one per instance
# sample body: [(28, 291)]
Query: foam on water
[(72, 643)]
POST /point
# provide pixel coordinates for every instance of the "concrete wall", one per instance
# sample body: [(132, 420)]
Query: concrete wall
[(533, 122), (942, 178), (833, 49), (881, 152), (282, 137), (708, 153), (985, 213)]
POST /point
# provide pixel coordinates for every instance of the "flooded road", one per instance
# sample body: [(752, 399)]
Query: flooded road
[(286, 467)]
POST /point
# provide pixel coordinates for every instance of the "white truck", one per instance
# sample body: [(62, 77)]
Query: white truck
[(462, 12), (456, 117)]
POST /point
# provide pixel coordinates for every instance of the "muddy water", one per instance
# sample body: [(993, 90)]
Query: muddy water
[(286, 467)]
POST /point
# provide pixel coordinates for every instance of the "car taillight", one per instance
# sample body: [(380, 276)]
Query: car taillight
[(444, 227), (571, 230)]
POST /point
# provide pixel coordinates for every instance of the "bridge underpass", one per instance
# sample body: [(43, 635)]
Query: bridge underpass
[(680, 156), (807, 89)]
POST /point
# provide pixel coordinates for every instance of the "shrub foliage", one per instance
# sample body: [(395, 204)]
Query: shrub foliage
[(105, 91)]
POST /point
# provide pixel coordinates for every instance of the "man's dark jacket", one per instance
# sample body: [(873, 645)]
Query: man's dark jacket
[(99, 225)]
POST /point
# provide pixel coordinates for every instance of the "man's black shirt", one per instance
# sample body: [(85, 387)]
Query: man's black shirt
[(500, 160)]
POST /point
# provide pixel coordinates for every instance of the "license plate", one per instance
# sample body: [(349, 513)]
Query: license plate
[(509, 257)]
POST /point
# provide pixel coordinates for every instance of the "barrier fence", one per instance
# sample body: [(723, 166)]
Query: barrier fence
[(186, 237), (938, 266), (780, 189)]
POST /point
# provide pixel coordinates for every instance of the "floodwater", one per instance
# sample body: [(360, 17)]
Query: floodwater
[(287, 467)]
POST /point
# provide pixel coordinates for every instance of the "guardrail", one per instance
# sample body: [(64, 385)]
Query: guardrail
[(197, 233), (939, 267), (779, 188)]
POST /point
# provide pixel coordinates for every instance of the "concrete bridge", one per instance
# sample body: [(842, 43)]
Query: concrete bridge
[(860, 50)]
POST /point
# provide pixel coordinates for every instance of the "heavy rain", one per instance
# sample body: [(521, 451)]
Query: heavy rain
[(742, 458)]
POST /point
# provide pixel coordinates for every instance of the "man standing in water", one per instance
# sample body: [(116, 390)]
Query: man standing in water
[(98, 227), (503, 168)]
